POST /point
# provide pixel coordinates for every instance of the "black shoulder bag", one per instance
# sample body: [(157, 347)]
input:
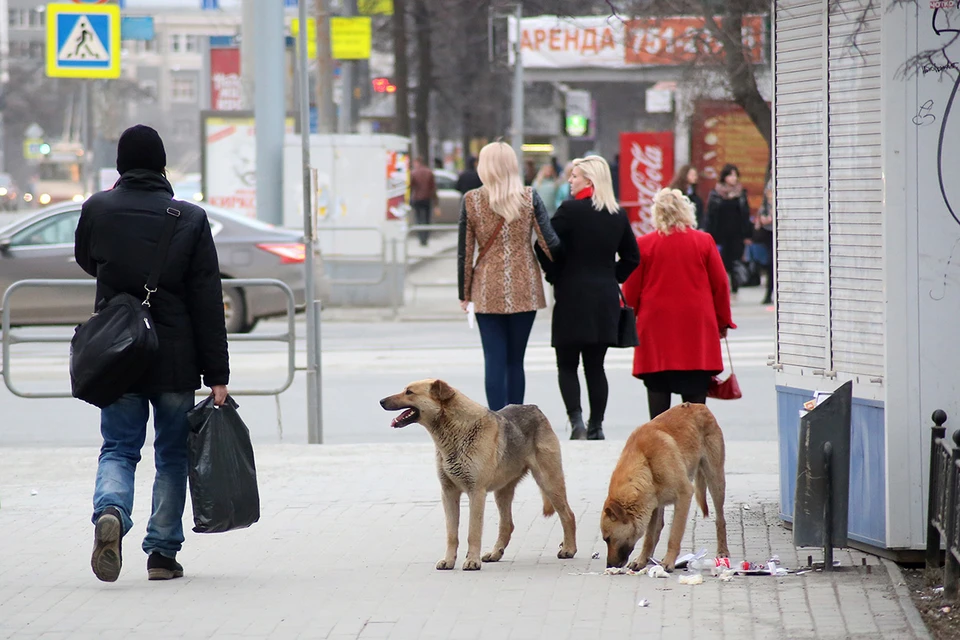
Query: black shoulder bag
[(112, 350), (626, 326)]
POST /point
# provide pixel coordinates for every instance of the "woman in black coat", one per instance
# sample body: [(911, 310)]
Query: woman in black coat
[(586, 276), (728, 219)]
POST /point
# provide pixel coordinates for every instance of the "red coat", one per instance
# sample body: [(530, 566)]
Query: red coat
[(681, 296)]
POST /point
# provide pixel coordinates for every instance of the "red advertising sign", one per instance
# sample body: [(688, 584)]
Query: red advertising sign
[(226, 88), (723, 133), (646, 166)]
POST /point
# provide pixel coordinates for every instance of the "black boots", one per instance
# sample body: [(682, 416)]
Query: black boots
[(595, 430), (578, 430)]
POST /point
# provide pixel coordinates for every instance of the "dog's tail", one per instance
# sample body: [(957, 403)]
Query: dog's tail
[(700, 487), (548, 509)]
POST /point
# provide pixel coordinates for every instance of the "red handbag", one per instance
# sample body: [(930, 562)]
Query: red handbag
[(728, 389)]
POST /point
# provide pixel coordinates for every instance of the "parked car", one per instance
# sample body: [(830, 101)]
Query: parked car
[(448, 195), (41, 246)]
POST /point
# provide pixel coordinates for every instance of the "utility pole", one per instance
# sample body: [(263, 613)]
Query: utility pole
[(314, 371), (348, 70), (4, 75), (269, 109), (517, 133), (326, 109), (248, 51)]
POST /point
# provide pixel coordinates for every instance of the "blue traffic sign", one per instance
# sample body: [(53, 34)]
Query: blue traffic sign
[(83, 41)]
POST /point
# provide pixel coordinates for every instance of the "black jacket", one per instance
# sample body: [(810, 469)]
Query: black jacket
[(586, 274), (116, 239), (728, 221), (468, 181)]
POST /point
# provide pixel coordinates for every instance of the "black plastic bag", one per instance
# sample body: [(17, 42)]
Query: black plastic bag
[(223, 476)]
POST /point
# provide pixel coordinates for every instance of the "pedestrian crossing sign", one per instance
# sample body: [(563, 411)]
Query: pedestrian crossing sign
[(83, 40)]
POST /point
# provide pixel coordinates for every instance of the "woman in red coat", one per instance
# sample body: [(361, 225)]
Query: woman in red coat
[(682, 298)]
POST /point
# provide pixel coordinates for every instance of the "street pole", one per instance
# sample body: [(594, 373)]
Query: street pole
[(269, 110), (314, 373), (4, 75), (326, 109), (517, 133), (347, 72), (248, 49)]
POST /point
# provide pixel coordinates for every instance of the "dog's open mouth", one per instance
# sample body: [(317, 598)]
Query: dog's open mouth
[(407, 417)]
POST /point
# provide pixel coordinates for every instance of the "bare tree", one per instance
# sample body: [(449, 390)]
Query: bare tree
[(401, 75), (425, 77)]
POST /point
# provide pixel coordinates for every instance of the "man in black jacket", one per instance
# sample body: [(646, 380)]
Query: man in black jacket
[(116, 239)]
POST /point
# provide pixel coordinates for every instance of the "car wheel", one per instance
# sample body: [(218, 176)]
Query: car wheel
[(234, 311)]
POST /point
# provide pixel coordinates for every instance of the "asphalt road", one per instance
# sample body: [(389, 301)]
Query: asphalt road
[(365, 361)]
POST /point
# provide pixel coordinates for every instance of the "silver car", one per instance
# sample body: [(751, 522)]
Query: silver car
[(41, 246)]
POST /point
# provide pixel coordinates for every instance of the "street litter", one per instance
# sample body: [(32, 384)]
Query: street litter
[(34, 492), (938, 590), (746, 507), (946, 610), (694, 579), (684, 560), (621, 571), (596, 555), (656, 571), (643, 603), (727, 575)]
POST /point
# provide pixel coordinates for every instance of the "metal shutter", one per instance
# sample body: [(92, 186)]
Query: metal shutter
[(855, 189), (799, 165)]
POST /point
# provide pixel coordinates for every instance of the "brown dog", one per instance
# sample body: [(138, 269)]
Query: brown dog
[(657, 468), (478, 451)]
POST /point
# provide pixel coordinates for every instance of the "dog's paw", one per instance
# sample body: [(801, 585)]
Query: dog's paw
[(566, 553), (493, 556), (471, 565), (638, 564), (445, 565)]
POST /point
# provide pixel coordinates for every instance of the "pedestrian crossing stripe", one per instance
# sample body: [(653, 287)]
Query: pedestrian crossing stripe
[(83, 41)]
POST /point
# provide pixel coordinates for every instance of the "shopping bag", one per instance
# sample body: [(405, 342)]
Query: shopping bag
[(223, 476)]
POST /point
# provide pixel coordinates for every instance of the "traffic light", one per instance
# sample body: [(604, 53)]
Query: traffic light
[(45, 149)]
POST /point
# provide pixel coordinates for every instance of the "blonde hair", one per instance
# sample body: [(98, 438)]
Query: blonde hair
[(597, 171), (500, 173), (673, 211)]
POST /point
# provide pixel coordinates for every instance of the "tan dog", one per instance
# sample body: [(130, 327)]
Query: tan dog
[(657, 468), (478, 451)]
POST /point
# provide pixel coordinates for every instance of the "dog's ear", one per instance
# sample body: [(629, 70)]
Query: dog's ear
[(614, 511), (441, 391)]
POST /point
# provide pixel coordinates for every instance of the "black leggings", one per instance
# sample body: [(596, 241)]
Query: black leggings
[(568, 361), (659, 401)]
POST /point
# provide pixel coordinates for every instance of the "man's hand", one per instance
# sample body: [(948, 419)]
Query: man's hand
[(219, 394)]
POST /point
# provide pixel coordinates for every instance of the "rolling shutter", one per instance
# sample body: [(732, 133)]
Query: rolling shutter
[(800, 161), (855, 189)]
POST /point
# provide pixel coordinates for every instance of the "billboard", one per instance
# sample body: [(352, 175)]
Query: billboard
[(226, 86), (646, 167), (554, 42)]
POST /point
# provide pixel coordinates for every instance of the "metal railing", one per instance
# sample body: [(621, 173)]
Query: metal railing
[(11, 337), (372, 258), (943, 510), (411, 259)]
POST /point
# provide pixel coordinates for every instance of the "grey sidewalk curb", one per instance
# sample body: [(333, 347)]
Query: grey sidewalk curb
[(906, 603)]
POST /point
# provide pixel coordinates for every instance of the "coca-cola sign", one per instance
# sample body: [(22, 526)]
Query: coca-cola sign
[(226, 87), (646, 166)]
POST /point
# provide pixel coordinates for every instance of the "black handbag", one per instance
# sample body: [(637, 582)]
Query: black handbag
[(626, 326), (112, 350)]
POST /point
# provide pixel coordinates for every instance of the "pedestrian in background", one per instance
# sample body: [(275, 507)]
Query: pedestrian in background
[(728, 220), (685, 181), (469, 179), (116, 238), (423, 195), (586, 277), (546, 187), (763, 239), (682, 299), (505, 283), (563, 185)]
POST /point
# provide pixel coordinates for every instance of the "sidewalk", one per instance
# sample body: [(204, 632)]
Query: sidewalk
[(346, 548)]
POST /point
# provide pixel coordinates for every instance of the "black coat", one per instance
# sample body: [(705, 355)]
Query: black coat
[(116, 239), (728, 221), (586, 273)]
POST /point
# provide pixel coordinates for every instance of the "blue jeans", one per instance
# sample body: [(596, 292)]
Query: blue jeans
[(504, 338), (123, 426)]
